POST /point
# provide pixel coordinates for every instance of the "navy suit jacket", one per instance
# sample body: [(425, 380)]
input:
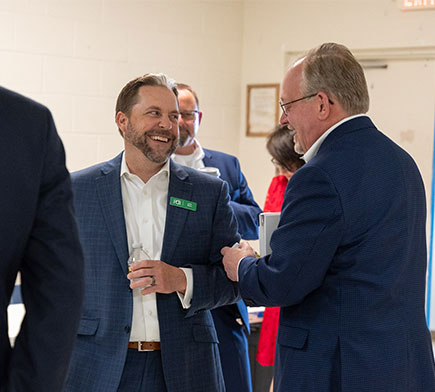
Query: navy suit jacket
[(348, 268), (192, 239), (242, 201), (244, 206), (38, 237)]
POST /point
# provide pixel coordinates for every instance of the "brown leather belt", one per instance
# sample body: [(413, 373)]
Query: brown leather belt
[(144, 346)]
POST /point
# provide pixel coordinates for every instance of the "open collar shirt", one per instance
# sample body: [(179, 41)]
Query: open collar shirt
[(145, 217)]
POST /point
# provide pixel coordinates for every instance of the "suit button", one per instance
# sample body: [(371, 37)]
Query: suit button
[(127, 329)]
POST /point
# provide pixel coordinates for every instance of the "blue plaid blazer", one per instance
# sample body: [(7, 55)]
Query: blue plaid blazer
[(194, 239), (348, 269)]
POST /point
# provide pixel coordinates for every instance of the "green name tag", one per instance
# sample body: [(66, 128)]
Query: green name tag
[(188, 205)]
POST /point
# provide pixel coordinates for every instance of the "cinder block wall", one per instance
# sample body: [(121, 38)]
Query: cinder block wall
[(75, 56)]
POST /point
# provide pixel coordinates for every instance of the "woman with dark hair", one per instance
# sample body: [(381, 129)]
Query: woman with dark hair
[(280, 146)]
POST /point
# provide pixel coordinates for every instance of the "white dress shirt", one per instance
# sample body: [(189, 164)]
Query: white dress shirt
[(145, 217)]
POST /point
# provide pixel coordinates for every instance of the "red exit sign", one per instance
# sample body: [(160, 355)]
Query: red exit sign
[(418, 4)]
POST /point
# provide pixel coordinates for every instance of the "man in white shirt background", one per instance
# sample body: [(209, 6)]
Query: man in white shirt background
[(150, 329), (233, 343), (190, 153)]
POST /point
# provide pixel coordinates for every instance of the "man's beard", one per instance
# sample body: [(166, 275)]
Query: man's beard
[(140, 141), (184, 136)]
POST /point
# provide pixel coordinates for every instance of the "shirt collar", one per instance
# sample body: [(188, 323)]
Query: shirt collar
[(312, 151), (199, 152), (125, 171)]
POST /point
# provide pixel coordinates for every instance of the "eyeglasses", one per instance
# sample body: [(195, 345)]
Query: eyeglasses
[(283, 105), (189, 114)]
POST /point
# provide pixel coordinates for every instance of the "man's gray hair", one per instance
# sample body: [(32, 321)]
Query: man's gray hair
[(332, 69)]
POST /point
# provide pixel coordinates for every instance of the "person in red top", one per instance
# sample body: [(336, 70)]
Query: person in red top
[(280, 146)]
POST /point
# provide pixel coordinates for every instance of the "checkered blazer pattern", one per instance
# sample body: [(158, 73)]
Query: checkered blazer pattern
[(192, 238), (348, 268)]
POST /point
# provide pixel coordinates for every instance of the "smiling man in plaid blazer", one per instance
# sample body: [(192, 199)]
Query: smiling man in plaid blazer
[(150, 329)]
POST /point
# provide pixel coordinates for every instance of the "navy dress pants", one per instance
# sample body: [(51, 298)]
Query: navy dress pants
[(143, 372), (233, 350)]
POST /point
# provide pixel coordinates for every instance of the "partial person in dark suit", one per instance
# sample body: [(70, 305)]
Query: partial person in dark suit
[(191, 154), (38, 238), (155, 333), (232, 321), (348, 262)]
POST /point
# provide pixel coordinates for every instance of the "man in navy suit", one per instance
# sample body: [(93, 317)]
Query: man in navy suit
[(39, 239), (190, 153), (348, 261), (150, 329), (233, 343)]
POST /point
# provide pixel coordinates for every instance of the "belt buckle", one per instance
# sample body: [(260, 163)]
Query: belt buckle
[(139, 347)]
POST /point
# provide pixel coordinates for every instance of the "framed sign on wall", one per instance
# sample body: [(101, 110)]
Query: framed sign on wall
[(262, 111)]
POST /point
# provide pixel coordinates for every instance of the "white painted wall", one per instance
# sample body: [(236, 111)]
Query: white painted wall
[(76, 55)]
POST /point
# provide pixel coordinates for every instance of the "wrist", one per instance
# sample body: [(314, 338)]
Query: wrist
[(182, 282)]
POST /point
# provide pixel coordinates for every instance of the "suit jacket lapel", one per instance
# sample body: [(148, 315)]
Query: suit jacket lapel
[(109, 194), (181, 188)]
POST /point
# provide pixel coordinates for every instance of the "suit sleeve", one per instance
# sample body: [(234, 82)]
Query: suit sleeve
[(245, 208), (51, 279), (211, 287), (303, 245)]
